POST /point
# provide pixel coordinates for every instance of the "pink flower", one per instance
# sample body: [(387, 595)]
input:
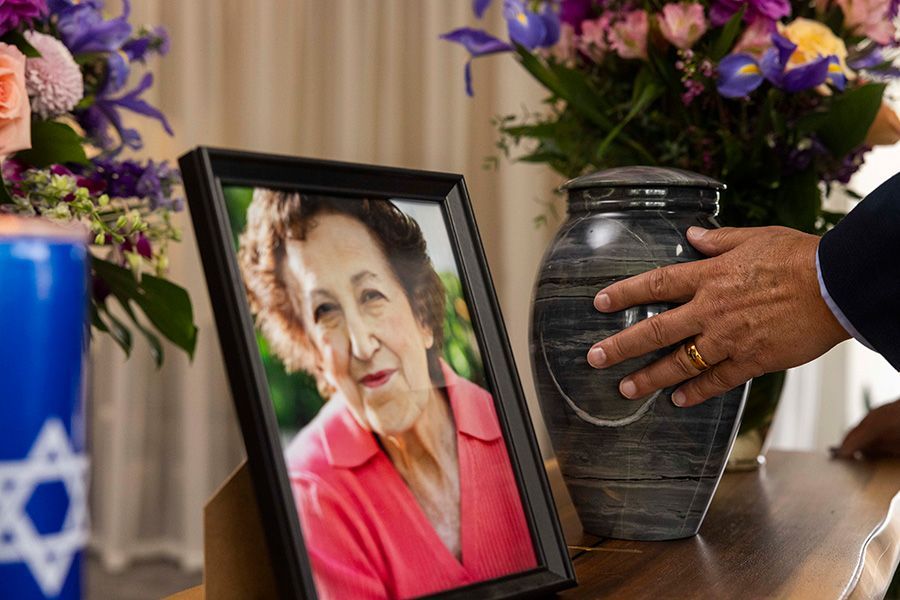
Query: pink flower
[(756, 39), (15, 112), (869, 18), (629, 36), (682, 24), (593, 40), (53, 80)]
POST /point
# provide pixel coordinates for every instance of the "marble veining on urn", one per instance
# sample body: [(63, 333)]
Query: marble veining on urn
[(636, 469)]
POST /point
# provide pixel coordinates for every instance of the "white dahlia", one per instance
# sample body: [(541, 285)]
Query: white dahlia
[(53, 80)]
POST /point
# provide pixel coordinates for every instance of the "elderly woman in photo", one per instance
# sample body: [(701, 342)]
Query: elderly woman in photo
[(402, 481)]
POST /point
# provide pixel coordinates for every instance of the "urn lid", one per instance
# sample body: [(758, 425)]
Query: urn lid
[(641, 176)]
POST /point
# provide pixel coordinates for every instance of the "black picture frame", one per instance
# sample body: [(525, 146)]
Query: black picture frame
[(205, 172)]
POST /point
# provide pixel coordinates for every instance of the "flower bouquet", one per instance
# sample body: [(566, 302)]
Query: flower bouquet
[(779, 99), (64, 73)]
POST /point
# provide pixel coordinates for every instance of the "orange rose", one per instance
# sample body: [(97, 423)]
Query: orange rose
[(15, 111), (885, 129)]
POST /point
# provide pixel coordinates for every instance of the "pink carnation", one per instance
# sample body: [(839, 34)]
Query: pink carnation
[(682, 24), (629, 36), (869, 18), (53, 80)]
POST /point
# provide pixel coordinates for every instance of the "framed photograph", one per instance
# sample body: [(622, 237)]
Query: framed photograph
[(387, 435)]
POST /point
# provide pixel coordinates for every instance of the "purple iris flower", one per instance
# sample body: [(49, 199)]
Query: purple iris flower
[(528, 28), (83, 29), (156, 40), (478, 43), (104, 112), (739, 74), (771, 10), (804, 77)]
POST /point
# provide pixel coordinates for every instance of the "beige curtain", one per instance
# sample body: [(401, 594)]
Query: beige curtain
[(352, 80)]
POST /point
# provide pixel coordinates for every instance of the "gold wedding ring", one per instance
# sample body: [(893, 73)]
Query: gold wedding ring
[(694, 356)]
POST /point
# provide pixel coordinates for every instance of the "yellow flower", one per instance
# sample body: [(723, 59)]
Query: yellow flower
[(814, 39)]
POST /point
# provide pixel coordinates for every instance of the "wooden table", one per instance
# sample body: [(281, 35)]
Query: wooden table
[(804, 526)]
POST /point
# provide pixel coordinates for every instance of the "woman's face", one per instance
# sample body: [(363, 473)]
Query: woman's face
[(370, 346)]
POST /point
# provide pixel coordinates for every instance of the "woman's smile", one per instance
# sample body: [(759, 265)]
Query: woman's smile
[(377, 379)]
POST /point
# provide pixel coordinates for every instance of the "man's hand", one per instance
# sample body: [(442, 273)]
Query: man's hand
[(878, 434), (754, 307)]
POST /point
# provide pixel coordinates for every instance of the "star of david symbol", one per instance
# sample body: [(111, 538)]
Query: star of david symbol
[(48, 556)]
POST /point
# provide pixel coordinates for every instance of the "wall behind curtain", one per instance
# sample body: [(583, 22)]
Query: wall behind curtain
[(347, 80), (352, 80)]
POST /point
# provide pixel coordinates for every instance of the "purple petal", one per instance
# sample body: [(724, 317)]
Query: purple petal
[(785, 47), (82, 29), (140, 106), (477, 41), (772, 9), (479, 6), (117, 71), (867, 60), (551, 27), (771, 67), (807, 76), (574, 12), (468, 75), (739, 74), (526, 28), (723, 10), (836, 76)]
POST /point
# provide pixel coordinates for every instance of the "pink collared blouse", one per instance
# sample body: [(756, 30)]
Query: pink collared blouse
[(366, 535)]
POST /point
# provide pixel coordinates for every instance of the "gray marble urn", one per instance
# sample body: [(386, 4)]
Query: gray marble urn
[(636, 469)]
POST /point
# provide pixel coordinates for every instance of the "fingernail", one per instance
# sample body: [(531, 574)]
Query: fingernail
[(602, 302), (696, 232), (678, 398), (596, 357), (628, 388)]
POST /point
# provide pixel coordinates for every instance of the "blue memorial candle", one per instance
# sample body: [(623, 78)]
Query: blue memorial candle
[(43, 468)]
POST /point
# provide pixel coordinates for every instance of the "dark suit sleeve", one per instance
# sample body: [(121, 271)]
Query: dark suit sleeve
[(860, 265)]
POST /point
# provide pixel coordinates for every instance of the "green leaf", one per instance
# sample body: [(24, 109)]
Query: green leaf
[(799, 201), (846, 123), (156, 350), (574, 87), (727, 36), (119, 332), (53, 143), (18, 40), (96, 321), (546, 130), (646, 91), (167, 306)]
